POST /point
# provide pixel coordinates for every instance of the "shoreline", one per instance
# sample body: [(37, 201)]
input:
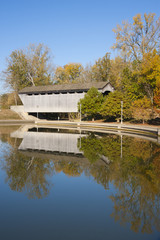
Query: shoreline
[(135, 128)]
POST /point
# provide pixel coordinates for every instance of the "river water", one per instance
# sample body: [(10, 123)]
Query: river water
[(71, 184)]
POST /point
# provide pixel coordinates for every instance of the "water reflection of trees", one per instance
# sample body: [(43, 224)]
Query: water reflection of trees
[(135, 174), (30, 171), (28, 174), (136, 177)]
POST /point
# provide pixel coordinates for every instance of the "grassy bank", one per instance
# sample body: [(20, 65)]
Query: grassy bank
[(7, 114)]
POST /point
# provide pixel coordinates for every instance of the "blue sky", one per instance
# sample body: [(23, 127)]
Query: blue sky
[(75, 31)]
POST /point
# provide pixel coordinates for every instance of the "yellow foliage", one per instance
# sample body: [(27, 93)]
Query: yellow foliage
[(150, 67), (141, 109), (137, 38), (68, 73), (137, 20)]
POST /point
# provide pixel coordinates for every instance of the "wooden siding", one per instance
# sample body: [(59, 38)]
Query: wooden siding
[(55, 102), (51, 103)]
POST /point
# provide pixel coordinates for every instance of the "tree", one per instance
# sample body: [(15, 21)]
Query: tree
[(112, 106), (8, 99), (4, 101), (69, 73), (129, 84), (91, 103), (101, 69), (137, 38), (157, 97), (149, 74), (29, 67), (116, 70), (86, 74), (141, 109)]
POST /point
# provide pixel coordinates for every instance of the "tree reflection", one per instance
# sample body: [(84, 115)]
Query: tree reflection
[(136, 175), (75, 166), (28, 174), (70, 168), (95, 147), (138, 182)]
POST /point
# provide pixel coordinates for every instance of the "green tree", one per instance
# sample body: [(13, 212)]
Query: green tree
[(91, 103), (111, 107), (137, 38), (129, 84)]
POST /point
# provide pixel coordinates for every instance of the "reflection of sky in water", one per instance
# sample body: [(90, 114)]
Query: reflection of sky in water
[(76, 207), (4, 148)]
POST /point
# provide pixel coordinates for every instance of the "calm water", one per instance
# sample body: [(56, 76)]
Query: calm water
[(63, 185)]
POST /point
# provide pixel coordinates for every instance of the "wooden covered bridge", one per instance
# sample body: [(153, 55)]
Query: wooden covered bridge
[(58, 98)]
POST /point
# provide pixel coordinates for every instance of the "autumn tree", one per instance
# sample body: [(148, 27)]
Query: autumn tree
[(69, 73), (101, 69), (157, 97), (141, 109), (8, 99), (86, 74), (116, 72), (29, 67), (137, 38), (98, 72), (149, 74), (91, 103)]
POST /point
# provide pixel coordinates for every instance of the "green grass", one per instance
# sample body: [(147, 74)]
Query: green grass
[(7, 114)]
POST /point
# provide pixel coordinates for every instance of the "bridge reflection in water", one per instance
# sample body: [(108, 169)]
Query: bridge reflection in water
[(52, 142), (39, 139), (55, 141)]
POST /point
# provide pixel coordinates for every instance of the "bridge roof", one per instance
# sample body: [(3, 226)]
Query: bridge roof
[(63, 88)]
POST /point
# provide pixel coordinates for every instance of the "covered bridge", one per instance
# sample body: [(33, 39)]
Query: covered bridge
[(62, 98)]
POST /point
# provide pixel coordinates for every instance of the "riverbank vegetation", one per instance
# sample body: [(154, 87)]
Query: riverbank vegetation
[(134, 73)]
